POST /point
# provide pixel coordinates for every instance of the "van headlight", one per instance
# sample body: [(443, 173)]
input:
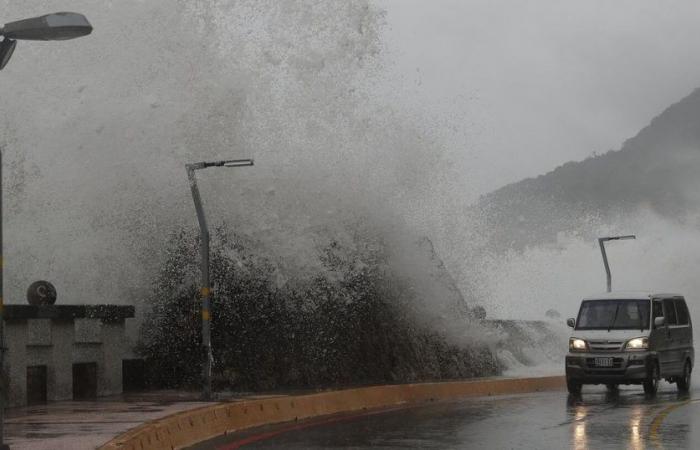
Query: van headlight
[(640, 343), (577, 345)]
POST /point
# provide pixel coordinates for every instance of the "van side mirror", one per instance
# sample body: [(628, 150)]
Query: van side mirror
[(659, 322), (571, 322)]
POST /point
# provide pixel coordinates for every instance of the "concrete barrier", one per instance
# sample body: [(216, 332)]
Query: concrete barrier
[(197, 425)]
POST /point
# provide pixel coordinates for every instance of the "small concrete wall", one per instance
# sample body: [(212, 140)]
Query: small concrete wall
[(190, 427)]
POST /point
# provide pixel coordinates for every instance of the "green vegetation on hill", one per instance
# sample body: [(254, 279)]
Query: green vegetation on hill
[(656, 169)]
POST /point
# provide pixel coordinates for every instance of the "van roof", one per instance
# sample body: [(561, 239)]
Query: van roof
[(631, 295)]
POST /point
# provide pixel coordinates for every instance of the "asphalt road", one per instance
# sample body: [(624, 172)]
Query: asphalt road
[(625, 419)]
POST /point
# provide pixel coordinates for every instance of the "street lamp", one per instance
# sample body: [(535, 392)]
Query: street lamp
[(601, 243), (51, 27), (205, 291)]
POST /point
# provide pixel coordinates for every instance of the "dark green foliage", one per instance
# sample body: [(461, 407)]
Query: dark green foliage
[(346, 324), (657, 170)]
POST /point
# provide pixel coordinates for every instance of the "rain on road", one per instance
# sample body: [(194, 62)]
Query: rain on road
[(599, 419)]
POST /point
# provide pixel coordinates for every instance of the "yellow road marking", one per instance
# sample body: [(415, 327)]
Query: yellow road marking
[(660, 417), (204, 292)]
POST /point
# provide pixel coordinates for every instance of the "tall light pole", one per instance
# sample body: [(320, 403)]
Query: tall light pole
[(205, 290), (601, 243), (51, 27)]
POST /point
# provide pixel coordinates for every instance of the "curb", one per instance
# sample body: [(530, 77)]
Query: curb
[(200, 424)]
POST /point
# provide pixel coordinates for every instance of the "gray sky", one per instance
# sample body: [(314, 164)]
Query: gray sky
[(523, 86), (468, 96)]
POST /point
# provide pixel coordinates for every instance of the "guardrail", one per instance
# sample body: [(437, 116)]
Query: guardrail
[(197, 425)]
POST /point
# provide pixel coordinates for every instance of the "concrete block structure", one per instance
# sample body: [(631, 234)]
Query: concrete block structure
[(64, 352)]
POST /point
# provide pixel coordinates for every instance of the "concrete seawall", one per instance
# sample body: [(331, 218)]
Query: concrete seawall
[(189, 427)]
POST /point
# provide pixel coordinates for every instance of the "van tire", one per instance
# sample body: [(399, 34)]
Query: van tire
[(683, 382), (573, 387), (651, 384)]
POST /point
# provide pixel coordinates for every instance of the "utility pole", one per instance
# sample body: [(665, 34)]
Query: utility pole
[(601, 243), (3, 381), (205, 289)]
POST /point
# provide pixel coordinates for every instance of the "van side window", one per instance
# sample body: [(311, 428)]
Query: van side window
[(682, 310), (670, 312)]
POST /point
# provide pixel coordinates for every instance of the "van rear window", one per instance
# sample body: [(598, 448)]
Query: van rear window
[(670, 312), (613, 315), (682, 310)]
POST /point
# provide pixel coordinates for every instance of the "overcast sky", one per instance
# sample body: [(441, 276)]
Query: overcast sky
[(502, 91), (524, 86)]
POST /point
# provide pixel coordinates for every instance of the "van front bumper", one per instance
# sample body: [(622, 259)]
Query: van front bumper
[(627, 368)]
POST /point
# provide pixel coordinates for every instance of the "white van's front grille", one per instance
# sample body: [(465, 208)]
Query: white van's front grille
[(615, 363), (605, 346)]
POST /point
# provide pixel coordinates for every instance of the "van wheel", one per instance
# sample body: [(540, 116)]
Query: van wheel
[(683, 382), (651, 384)]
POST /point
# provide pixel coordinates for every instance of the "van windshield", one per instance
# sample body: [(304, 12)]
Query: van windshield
[(613, 315)]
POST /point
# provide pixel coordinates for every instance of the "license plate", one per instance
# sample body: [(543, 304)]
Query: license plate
[(603, 362)]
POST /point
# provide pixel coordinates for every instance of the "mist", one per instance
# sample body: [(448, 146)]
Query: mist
[(662, 259), (357, 119), (97, 133)]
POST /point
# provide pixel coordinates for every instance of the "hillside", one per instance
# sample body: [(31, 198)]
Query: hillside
[(656, 169)]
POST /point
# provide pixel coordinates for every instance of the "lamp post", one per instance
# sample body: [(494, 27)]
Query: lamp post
[(601, 243), (51, 27), (205, 290)]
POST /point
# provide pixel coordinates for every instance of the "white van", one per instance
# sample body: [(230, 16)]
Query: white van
[(631, 338)]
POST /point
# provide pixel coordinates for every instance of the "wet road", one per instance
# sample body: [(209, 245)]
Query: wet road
[(543, 420)]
